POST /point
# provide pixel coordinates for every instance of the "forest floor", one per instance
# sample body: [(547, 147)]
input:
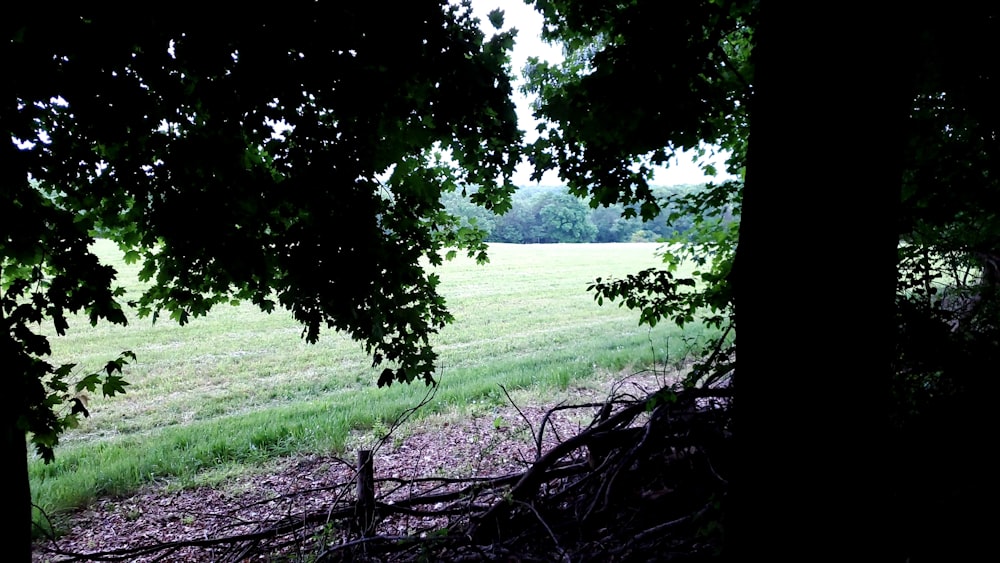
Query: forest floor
[(498, 442)]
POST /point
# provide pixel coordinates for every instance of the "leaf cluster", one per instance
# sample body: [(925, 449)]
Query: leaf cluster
[(45, 398), (302, 172), (948, 288), (642, 81)]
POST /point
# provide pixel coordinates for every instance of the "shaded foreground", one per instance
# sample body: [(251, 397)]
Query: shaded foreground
[(645, 476)]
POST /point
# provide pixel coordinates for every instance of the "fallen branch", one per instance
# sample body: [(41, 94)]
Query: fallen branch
[(648, 471)]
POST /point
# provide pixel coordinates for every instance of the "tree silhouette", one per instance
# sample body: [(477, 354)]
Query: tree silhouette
[(294, 158), (856, 131)]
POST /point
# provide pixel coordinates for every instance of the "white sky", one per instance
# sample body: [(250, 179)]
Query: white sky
[(528, 23)]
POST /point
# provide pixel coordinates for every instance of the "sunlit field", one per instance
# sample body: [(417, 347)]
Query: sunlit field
[(240, 387)]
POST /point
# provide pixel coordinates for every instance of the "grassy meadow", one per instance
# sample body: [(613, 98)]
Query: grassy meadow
[(238, 388)]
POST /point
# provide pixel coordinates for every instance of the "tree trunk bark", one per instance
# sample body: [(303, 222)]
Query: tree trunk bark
[(815, 288), (15, 536)]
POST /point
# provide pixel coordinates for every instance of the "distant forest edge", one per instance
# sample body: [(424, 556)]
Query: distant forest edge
[(547, 214)]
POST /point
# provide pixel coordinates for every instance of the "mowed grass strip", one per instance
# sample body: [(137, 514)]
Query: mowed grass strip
[(238, 388)]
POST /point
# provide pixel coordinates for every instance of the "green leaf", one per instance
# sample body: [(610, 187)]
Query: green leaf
[(496, 18), (88, 383), (113, 385)]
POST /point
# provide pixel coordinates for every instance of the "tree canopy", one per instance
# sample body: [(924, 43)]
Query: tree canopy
[(303, 171), (546, 214), (907, 94), (292, 158), (640, 83)]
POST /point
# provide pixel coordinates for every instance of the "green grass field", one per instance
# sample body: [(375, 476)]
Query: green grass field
[(239, 387)]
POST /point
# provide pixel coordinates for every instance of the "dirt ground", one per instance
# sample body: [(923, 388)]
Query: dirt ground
[(495, 443)]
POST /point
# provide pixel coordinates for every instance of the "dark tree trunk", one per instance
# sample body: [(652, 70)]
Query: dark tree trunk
[(16, 529), (815, 288)]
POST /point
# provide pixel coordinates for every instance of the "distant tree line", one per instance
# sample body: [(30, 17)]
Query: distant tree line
[(541, 214)]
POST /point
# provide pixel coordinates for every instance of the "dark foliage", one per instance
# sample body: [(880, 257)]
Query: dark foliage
[(644, 78), (292, 158)]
